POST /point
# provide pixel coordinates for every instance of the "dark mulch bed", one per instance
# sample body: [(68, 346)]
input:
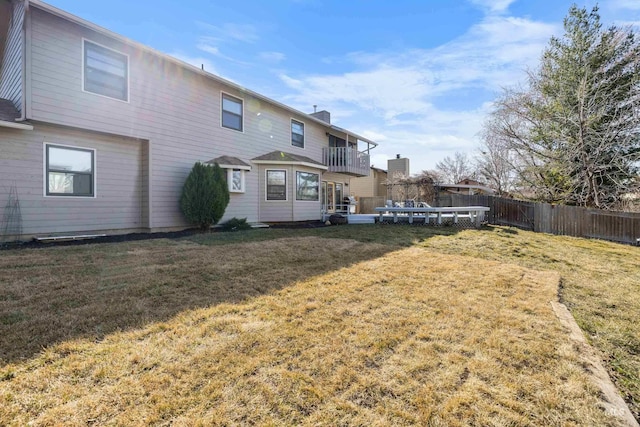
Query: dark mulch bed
[(115, 238), (143, 236), (297, 224)]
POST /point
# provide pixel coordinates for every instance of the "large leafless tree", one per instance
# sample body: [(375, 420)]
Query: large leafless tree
[(574, 131), (455, 169)]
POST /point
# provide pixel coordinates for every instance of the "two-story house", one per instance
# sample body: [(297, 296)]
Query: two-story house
[(98, 134)]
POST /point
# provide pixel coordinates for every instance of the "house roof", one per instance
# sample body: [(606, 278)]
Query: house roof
[(230, 161), (469, 187), (94, 27), (279, 157)]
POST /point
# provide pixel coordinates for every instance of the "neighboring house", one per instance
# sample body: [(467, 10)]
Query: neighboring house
[(467, 186), (373, 185), (98, 134)]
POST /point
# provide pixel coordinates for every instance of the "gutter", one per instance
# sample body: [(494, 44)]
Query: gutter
[(13, 125), (290, 163), (23, 110)]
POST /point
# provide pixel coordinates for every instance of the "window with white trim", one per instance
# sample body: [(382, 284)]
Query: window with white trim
[(297, 133), (231, 112), (276, 185), (70, 171), (235, 179), (307, 186), (106, 72)]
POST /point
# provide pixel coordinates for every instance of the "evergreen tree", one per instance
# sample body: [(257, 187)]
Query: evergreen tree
[(576, 128), (205, 195)]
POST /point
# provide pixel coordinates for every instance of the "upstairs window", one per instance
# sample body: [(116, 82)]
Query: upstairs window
[(231, 112), (70, 171), (106, 72), (297, 133)]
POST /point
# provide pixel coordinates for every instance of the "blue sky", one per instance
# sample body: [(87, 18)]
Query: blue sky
[(416, 76)]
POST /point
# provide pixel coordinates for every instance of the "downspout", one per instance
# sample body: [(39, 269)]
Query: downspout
[(293, 192), (23, 109)]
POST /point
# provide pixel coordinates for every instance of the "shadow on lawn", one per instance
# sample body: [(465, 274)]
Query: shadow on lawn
[(57, 294)]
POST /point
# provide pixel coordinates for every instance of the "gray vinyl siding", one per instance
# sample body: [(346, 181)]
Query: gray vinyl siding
[(119, 183), (275, 210), (290, 209), (11, 84), (177, 110), (145, 182), (364, 186), (369, 186)]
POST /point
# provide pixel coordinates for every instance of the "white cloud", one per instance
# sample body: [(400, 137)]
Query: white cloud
[(196, 61), (426, 101), (491, 55), (200, 62), (493, 6), (274, 57), (213, 50), (624, 4), (228, 32)]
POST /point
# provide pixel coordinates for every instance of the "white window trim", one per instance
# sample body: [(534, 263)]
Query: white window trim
[(230, 180), (266, 186), (319, 187), (127, 101), (44, 171), (229, 171), (304, 133), (222, 110)]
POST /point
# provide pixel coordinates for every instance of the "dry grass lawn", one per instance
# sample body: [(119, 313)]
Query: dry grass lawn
[(600, 285), (295, 330)]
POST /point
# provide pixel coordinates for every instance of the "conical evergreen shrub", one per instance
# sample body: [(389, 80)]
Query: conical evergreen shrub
[(205, 195)]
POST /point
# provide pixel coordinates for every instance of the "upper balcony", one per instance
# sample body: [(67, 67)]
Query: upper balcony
[(348, 161)]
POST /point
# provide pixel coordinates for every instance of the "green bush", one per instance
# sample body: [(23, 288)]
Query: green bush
[(205, 195), (236, 224)]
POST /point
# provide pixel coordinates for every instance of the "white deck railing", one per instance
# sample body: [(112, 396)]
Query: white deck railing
[(474, 213), (346, 160)]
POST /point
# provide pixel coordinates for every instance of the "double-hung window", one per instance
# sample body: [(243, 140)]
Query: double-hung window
[(276, 185), (70, 171), (106, 72), (231, 112), (297, 133)]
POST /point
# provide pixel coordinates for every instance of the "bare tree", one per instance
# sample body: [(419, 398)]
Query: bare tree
[(574, 132), (418, 188), (497, 163), (457, 168)]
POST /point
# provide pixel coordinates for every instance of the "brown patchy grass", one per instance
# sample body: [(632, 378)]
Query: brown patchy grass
[(52, 295), (600, 285), (267, 328)]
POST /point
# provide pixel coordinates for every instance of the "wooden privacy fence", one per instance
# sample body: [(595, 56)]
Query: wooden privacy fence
[(622, 227), (367, 205)]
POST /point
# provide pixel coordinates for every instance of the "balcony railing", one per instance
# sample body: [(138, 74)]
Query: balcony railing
[(346, 160)]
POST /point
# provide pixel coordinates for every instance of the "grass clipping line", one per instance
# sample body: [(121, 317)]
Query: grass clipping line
[(411, 337)]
